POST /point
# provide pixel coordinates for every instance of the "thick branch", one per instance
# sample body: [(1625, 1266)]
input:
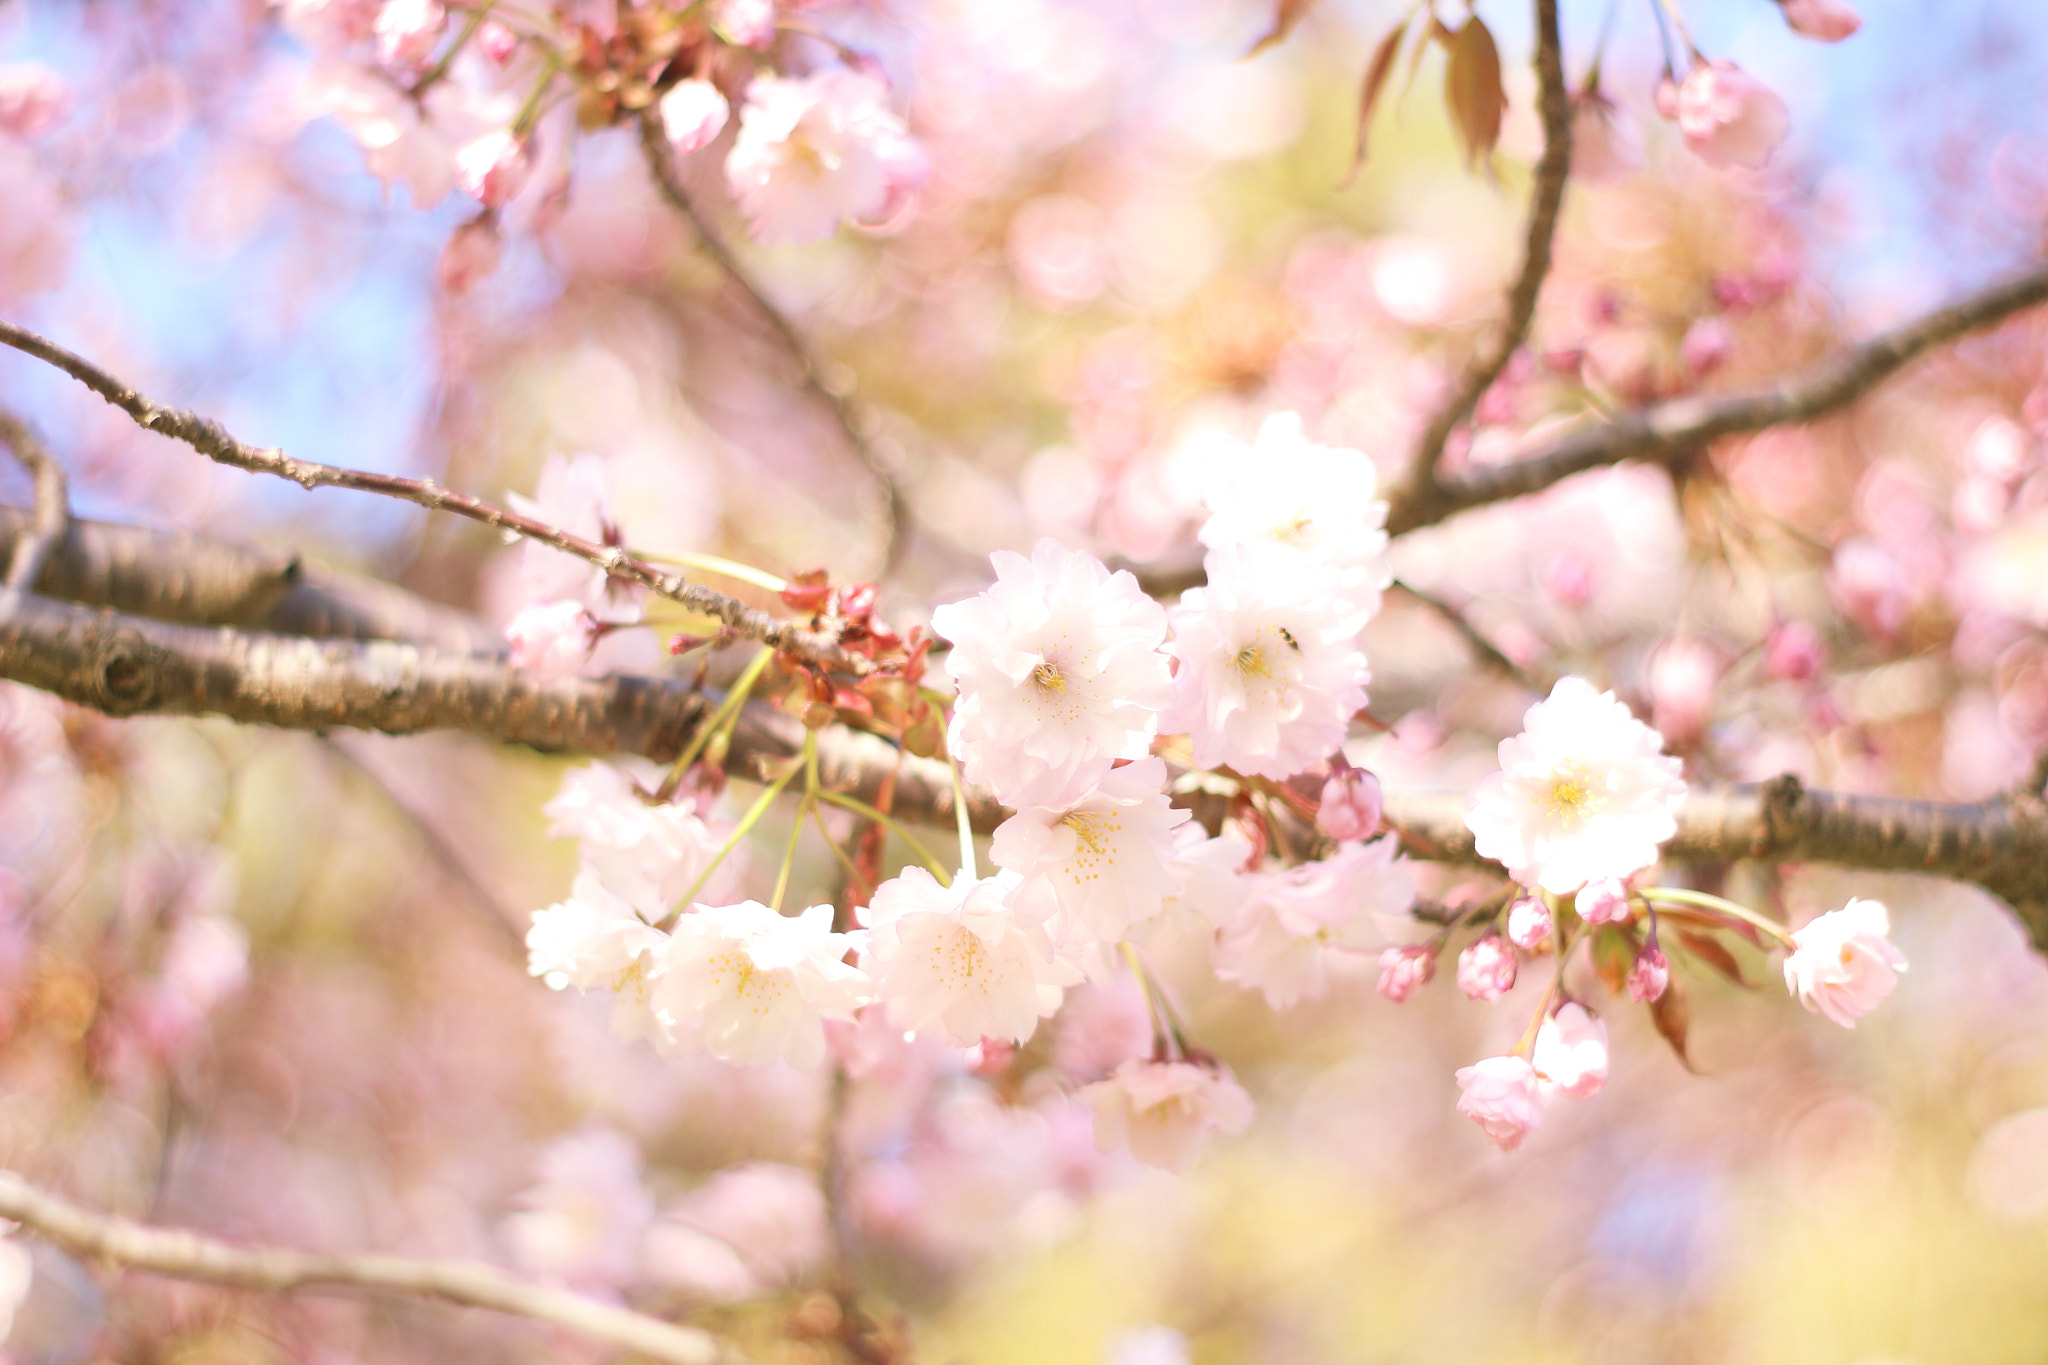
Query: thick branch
[(1546, 200), (211, 440), (2000, 845), (189, 1256), (1667, 431), (662, 168), (44, 527)]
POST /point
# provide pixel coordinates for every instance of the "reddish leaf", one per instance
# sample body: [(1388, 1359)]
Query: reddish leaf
[(808, 592), (1472, 90), (1614, 954), (1376, 73), (1714, 953), (1673, 1019), (1286, 14)]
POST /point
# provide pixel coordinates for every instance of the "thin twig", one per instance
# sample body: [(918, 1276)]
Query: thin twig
[(211, 440), (188, 1256), (53, 503), (1546, 199), (1668, 431), (895, 532), (1486, 649)]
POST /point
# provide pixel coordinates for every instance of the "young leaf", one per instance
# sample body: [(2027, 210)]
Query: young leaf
[(1376, 73), (1614, 953), (1673, 1019), (1472, 90), (1286, 14), (1714, 953)]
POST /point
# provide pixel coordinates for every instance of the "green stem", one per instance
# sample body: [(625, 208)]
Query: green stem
[(796, 827), (725, 568), (528, 112), (967, 866), (1163, 1023), (1679, 895), (725, 716), (859, 807), (747, 822), (439, 69)]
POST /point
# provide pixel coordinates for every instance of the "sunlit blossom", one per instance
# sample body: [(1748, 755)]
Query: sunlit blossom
[(1842, 964), (1163, 1111)]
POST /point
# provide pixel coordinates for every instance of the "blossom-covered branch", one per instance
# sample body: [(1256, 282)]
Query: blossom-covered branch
[(211, 440), (24, 559), (852, 426), (188, 1256), (1668, 430), (1546, 200)]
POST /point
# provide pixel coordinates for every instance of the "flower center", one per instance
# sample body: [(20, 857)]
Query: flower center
[(1572, 796), (1251, 662), (1048, 678)]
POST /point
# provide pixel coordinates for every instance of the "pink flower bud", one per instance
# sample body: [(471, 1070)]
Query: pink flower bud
[(1706, 346), (1351, 805), (1530, 924), (1605, 144), (471, 255), (496, 42), (1666, 97), (1650, 976), (692, 114), (408, 31), (1503, 1096), (493, 168), (749, 23), (1728, 117), (1571, 1051), (1683, 675), (1824, 21), (1404, 971), (1486, 970), (1794, 651), (1603, 902), (1842, 964), (33, 99)]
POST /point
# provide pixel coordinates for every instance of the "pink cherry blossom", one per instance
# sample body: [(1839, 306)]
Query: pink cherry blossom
[(574, 495), (649, 853), (693, 113), (551, 639), (1649, 976), (814, 152), (1603, 902), (1060, 675), (1583, 793), (1705, 347), (1605, 144), (584, 1219), (1503, 1095), (408, 31), (470, 256), (33, 99), (1405, 970), (1163, 1111), (1842, 964), (36, 230), (493, 168), (1486, 969), (1294, 924), (957, 962), (496, 42), (1530, 924), (1795, 651), (1351, 805), (594, 940), (1728, 117), (1571, 1051), (748, 1230), (1092, 870), (749, 23), (746, 984), (1825, 21)]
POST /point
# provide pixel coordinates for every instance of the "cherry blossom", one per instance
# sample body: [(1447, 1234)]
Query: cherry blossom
[(1405, 970), (1270, 670), (593, 939), (1163, 1111), (408, 31), (1649, 976), (1503, 1095), (746, 1231), (1094, 869), (552, 639), (1060, 675), (584, 1219), (1583, 793), (957, 962), (1603, 901), (1486, 969), (1842, 964), (816, 151), (646, 852), (493, 168), (1571, 1051), (1530, 924), (1728, 117), (574, 495), (1351, 804), (471, 255), (746, 984), (693, 113), (1826, 21), (749, 23), (33, 99), (1605, 144), (1291, 924)]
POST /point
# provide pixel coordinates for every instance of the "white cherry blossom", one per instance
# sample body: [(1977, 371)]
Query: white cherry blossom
[(819, 150), (650, 854), (1163, 1111), (747, 984), (1094, 869), (957, 962), (1842, 965), (594, 940), (1570, 1054), (1060, 675), (1584, 792), (574, 495), (1270, 670), (1292, 922)]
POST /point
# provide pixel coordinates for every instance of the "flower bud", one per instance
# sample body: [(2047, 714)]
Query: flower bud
[(493, 168), (1650, 976), (748, 23), (497, 42), (692, 114), (1530, 924), (1503, 1096), (1603, 902), (33, 99), (1794, 651), (1824, 21), (1406, 970), (1351, 805), (1728, 117), (1571, 1051), (471, 255), (1486, 970), (1706, 346), (408, 31)]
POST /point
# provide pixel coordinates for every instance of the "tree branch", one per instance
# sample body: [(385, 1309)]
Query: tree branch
[(211, 440), (53, 504), (189, 1256), (1665, 431), (1546, 201), (2000, 845), (895, 532)]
